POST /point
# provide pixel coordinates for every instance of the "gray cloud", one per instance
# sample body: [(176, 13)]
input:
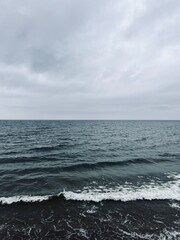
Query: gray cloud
[(90, 59)]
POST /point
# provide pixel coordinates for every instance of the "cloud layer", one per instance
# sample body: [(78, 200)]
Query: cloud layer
[(104, 59)]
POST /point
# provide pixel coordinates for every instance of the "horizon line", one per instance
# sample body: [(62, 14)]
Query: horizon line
[(53, 119)]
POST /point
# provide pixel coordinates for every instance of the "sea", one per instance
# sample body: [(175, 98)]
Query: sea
[(91, 179)]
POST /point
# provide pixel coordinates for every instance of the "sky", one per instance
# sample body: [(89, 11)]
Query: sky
[(87, 59)]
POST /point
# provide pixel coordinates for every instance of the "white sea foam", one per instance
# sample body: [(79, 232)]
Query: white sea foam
[(127, 194), (175, 205), (164, 235), (164, 191), (15, 199)]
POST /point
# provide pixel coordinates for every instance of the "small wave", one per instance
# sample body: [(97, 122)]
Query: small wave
[(10, 153), (141, 139), (43, 148), (164, 191), (169, 155), (51, 148), (104, 164), (23, 159), (75, 167)]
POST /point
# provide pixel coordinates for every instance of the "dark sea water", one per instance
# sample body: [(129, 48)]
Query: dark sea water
[(89, 180)]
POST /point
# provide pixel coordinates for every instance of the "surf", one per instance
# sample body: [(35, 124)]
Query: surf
[(151, 191)]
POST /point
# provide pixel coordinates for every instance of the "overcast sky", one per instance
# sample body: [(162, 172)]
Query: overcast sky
[(87, 59)]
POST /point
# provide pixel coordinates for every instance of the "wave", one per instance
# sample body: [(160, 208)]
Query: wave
[(47, 148), (78, 166), (164, 191), (64, 145), (23, 159), (169, 155), (104, 164), (141, 139)]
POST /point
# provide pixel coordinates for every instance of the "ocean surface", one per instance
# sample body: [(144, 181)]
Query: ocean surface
[(89, 179)]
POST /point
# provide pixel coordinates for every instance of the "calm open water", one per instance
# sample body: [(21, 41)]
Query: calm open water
[(89, 179)]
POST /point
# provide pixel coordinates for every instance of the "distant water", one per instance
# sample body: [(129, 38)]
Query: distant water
[(89, 179)]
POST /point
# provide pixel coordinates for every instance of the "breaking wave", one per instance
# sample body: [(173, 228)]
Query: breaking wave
[(153, 191)]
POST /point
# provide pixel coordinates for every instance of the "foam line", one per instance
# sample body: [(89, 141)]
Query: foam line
[(163, 191)]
